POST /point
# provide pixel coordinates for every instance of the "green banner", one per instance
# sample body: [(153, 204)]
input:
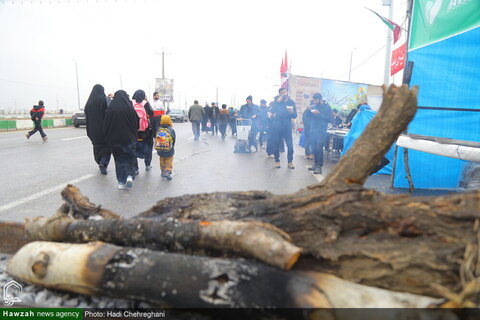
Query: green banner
[(41, 314), (434, 20)]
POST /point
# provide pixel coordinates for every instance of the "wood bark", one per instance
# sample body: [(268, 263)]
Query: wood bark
[(250, 238), (186, 281)]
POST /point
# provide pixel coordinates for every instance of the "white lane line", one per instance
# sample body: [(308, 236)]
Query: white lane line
[(66, 139), (319, 177), (42, 193)]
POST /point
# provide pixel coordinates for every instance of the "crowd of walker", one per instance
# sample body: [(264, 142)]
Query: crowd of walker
[(132, 128)]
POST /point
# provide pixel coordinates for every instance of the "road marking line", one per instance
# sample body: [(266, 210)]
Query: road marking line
[(319, 177), (66, 139), (42, 193)]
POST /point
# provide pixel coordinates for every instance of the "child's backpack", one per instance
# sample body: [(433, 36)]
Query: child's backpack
[(163, 140), (140, 109)]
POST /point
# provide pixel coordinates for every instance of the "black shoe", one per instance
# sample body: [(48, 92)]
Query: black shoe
[(318, 170), (312, 168), (137, 172), (103, 169)]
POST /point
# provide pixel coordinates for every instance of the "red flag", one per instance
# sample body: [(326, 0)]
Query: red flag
[(397, 30), (284, 72), (398, 59)]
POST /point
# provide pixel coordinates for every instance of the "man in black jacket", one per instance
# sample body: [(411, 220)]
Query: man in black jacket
[(36, 114), (321, 115), (214, 114), (282, 112)]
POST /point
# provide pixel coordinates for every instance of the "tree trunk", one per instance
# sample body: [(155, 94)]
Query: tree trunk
[(260, 240), (184, 281)]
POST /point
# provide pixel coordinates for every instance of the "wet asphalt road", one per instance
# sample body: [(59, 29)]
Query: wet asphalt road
[(33, 173)]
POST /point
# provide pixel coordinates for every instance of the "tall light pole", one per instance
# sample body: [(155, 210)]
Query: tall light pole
[(78, 90), (388, 50), (351, 59)]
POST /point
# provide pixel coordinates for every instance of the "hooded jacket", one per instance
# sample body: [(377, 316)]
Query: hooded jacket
[(166, 122), (37, 112)]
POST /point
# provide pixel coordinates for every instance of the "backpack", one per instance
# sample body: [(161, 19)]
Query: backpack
[(142, 114), (163, 140)]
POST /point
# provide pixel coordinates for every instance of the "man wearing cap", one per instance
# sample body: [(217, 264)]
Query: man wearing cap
[(321, 115), (282, 112), (250, 111)]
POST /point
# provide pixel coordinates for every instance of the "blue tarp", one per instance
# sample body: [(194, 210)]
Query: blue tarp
[(359, 123), (448, 75)]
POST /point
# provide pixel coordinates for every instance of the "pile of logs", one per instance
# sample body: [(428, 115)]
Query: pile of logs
[(334, 244)]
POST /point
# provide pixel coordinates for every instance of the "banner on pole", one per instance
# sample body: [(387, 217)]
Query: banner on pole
[(165, 88), (398, 59)]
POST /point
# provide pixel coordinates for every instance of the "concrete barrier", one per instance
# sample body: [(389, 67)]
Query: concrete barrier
[(10, 124)]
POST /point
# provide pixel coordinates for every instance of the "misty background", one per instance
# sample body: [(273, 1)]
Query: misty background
[(233, 47)]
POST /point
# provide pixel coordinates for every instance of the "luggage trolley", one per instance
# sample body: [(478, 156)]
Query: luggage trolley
[(243, 131)]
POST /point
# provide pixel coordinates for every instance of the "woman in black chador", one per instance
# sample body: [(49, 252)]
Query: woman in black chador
[(95, 110), (120, 127)]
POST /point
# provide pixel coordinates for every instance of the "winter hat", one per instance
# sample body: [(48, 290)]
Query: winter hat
[(263, 101), (317, 96), (250, 98), (166, 120)]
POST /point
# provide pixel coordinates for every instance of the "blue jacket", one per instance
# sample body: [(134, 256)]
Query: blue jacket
[(282, 119), (320, 121)]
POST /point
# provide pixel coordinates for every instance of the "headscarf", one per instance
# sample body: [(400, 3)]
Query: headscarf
[(121, 121), (139, 96), (95, 110)]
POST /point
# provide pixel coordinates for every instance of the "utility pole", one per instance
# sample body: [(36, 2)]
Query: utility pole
[(350, 69), (78, 90), (163, 64), (388, 50)]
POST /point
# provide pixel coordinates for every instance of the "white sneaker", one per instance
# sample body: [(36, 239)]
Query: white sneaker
[(129, 183), (121, 186)]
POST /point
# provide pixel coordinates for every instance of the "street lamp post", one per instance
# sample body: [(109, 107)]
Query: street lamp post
[(78, 89), (386, 76), (351, 59)]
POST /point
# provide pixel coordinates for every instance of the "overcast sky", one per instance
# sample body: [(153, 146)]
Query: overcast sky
[(235, 46)]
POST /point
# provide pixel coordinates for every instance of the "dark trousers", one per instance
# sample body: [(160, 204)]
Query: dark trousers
[(262, 137), (252, 136), (214, 126), (279, 136), (308, 143), (318, 142), (204, 125), (196, 129), (38, 127), (223, 128), (125, 161), (233, 125), (102, 153)]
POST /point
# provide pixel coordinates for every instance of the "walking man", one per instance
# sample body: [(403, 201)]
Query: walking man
[(282, 112), (250, 111), (37, 114), (214, 114), (321, 115), (196, 115)]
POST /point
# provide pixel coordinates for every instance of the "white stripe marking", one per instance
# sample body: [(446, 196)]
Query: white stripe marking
[(42, 193), (66, 139)]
